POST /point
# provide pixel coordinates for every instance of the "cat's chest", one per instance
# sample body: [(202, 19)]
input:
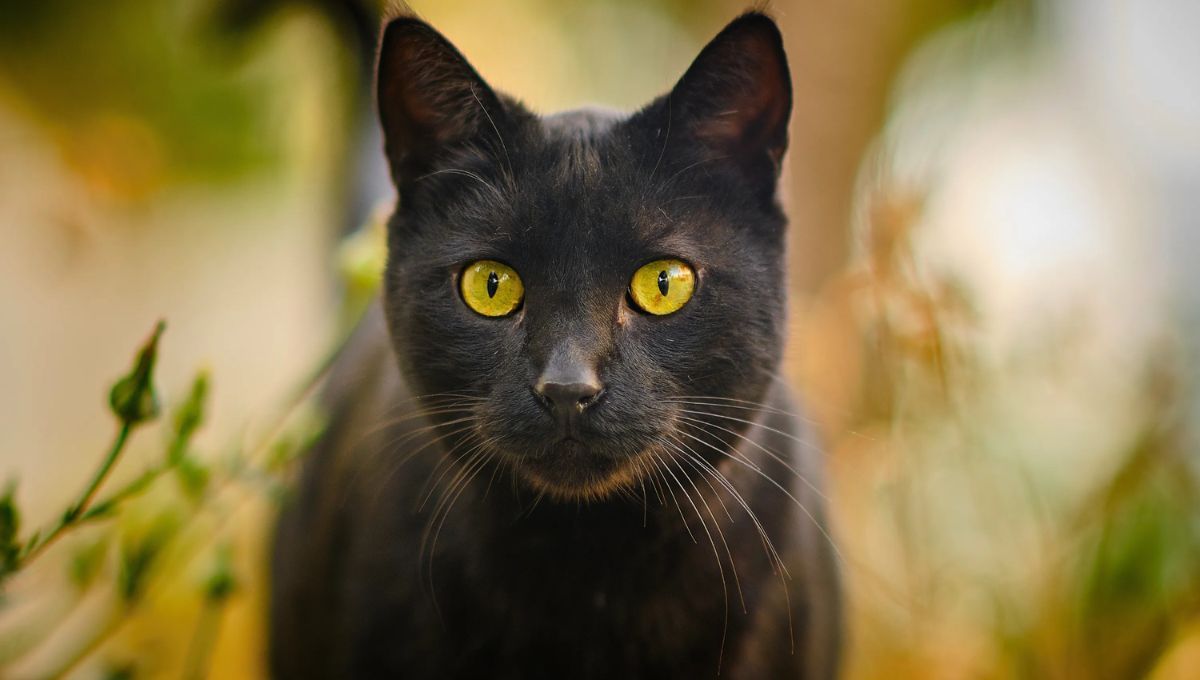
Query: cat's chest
[(555, 593), (589, 633), (581, 613)]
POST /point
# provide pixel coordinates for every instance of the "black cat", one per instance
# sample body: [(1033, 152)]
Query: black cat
[(558, 449)]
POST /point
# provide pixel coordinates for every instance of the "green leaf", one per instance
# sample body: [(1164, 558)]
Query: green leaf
[(10, 524), (124, 671), (86, 563), (138, 555), (99, 510), (188, 418), (132, 398), (32, 541), (221, 582), (192, 476)]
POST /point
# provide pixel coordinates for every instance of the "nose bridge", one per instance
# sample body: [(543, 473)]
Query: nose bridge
[(568, 328), (569, 362)]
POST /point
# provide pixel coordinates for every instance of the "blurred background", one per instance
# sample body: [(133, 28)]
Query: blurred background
[(994, 287)]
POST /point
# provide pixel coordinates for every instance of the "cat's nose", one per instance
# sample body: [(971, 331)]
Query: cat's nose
[(565, 398), (569, 383)]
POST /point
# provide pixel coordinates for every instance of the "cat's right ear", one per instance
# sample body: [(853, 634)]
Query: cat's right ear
[(429, 97)]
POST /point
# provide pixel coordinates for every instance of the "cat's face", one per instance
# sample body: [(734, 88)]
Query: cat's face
[(579, 278)]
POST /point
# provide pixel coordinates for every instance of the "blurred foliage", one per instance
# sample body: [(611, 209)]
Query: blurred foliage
[(145, 540), (138, 93), (971, 549), (1137, 578), (10, 523)]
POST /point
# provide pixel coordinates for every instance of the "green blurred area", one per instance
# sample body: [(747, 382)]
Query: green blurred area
[(146, 93)]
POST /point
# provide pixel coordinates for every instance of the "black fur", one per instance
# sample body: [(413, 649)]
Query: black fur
[(608, 550)]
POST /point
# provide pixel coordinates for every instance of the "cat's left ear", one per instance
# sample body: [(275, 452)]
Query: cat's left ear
[(736, 97)]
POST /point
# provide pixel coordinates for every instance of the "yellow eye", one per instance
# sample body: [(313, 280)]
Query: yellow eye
[(491, 288), (663, 286)]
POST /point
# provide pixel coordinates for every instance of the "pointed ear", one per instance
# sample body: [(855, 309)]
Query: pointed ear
[(429, 97), (736, 97)]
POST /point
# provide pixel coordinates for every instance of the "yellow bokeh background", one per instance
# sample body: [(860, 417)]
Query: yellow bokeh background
[(991, 311)]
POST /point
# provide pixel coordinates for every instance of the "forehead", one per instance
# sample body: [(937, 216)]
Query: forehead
[(575, 184), (571, 196)]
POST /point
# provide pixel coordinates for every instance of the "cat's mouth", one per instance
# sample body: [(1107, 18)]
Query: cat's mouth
[(571, 470)]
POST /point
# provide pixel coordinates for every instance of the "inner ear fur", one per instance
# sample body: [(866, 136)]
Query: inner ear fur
[(736, 97)]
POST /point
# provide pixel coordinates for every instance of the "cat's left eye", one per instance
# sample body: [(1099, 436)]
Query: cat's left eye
[(491, 288), (663, 286)]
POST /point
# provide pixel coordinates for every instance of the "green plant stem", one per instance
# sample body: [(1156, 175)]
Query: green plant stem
[(303, 390), (72, 516), (98, 479), (103, 507)]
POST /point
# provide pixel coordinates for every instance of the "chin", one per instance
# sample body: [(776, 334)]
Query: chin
[(571, 471)]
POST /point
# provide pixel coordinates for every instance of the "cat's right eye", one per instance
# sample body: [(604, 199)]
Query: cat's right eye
[(491, 288)]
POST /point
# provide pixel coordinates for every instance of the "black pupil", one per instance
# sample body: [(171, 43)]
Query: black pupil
[(494, 283), (664, 282)]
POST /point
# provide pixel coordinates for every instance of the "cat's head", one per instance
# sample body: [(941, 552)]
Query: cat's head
[(570, 282)]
